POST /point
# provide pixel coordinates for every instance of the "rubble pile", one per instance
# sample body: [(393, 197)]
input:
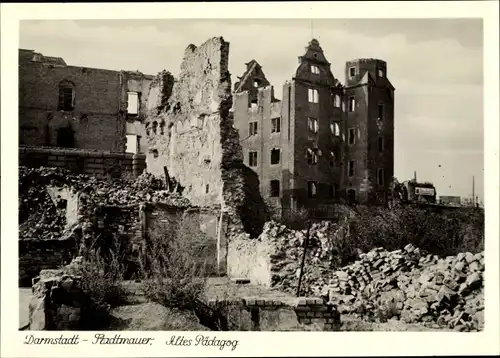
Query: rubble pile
[(413, 287), (288, 246), (41, 218), (406, 284)]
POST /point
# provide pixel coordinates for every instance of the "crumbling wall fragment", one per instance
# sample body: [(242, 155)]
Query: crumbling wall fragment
[(190, 132)]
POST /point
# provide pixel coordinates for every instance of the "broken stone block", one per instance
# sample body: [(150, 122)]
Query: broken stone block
[(474, 281), (474, 266), (469, 257), (459, 267)]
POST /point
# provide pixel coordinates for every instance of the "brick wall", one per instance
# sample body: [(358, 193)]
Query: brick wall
[(36, 255), (96, 163), (97, 119), (122, 223), (200, 226), (278, 314)]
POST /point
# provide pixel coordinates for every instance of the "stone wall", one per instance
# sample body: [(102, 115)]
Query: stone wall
[(190, 132), (81, 161), (58, 302), (185, 136), (250, 259)]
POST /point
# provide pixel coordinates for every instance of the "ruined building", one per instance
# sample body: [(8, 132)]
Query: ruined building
[(324, 142), (79, 107)]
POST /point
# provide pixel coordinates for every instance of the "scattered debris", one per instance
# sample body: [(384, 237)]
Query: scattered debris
[(41, 218)]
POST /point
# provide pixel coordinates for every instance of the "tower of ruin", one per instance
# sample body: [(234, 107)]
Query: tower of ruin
[(369, 144)]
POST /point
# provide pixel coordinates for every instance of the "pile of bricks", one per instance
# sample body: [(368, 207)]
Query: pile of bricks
[(403, 284)]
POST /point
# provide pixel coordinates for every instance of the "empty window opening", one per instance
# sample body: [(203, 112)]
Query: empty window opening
[(315, 70), (380, 176), (275, 125), (65, 137), (201, 120), (252, 159), (380, 112), (312, 156), (132, 143), (351, 196), (253, 104), (381, 72), (313, 95), (313, 125), (380, 144), (335, 128), (352, 71), (332, 191), (275, 156), (133, 103), (352, 104), (275, 188), (312, 189), (66, 97), (256, 83), (207, 188), (350, 168), (336, 101), (332, 159), (352, 136), (252, 128)]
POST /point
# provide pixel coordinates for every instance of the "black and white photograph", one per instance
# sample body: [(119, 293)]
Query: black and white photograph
[(250, 174)]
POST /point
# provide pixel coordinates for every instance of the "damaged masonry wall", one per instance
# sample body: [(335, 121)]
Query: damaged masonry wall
[(189, 131)]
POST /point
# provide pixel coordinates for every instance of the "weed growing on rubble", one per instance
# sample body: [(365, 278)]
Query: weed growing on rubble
[(101, 279), (174, 274)]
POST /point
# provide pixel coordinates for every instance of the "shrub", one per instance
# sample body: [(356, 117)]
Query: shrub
[(173, 266), (440, 232), (435, 231), (293, 218)]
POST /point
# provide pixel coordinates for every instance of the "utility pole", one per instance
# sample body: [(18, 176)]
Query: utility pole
[(473, 194), (306, 244), (415, 176)]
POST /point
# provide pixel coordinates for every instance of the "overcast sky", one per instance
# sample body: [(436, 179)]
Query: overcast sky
[(436, 66)]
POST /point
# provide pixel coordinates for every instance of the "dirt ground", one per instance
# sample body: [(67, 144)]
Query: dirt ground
[(24, 301), (141, 315)]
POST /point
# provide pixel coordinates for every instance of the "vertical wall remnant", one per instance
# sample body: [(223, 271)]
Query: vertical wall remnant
[(190, 132)]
